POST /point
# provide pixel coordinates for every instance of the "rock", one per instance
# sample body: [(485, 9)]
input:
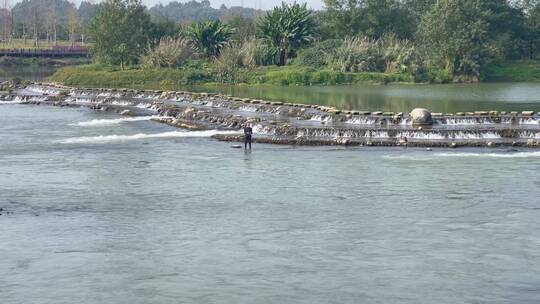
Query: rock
[(531, 143), (127, 112), (236, 146), (527, 113), (189, 110), (481, 113), (491, 144), (421, 117), (403, 141), (452, 145), (376, 113), (460, 114), (429, 149)]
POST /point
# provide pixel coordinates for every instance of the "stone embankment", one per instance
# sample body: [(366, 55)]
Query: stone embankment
[(296, 124)]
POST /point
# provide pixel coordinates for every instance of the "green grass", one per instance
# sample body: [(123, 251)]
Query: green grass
[(170, 79), (102, 76), (512, 71)]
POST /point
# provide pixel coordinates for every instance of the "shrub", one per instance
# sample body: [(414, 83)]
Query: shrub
[(228, 62), (317, 55), (358, 54), (257, 53), (168, 53)]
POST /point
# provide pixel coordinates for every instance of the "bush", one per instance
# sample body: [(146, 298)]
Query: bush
[(228, 62), (358, 54), (168, 53), (257, 53), (317, 55)]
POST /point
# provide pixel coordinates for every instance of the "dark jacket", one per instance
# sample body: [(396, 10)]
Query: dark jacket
[(248, 131)]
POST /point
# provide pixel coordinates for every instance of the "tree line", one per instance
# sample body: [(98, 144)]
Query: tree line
[(426, 40), (40, 22)]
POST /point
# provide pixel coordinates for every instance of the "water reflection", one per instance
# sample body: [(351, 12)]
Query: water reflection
[(399, 97), (27, 72)]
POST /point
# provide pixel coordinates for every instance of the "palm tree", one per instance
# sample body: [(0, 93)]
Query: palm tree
[(288, 27), (209, 37)]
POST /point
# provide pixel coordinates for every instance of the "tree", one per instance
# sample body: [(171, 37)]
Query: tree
[(288, 27), (119, 32), (244, 28), (456, 32), (72, 23), (209, 37), (161, 28), (372, 18)]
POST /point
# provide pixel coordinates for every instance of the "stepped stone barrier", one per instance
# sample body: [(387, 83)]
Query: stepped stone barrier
[(285, 123)]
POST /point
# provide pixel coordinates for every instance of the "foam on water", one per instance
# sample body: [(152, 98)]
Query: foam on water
[(122, 138), (108, 122), (16, 101), (492, 155), (435, 156)]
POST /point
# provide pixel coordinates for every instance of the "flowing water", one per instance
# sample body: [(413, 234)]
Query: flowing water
[(103, 209), (400, 97)]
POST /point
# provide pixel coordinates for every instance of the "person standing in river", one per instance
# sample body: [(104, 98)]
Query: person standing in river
[(248, 131)]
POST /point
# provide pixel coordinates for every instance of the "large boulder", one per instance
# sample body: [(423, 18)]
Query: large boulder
[(421, 116)]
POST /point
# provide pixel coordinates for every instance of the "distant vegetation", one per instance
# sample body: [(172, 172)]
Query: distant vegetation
[(435, 41)]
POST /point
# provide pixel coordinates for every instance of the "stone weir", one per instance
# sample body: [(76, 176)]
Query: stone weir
[(297, 124)]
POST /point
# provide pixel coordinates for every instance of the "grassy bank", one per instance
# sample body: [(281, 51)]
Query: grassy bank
[(170, 79), (512, 71), (200, 73)]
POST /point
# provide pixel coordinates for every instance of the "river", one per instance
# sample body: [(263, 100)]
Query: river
[(97, 208), (108, 210)]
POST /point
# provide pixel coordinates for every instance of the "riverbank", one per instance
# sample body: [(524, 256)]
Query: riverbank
[(297, 124), (512, 71), (174, 79), (197, 73)]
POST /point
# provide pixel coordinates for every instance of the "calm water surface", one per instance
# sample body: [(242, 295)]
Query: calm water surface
[(132, 213), (401, 98), (27, 72)]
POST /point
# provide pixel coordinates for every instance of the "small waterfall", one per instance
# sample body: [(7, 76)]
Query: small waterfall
[(465, 121), (80, 100), (530, 134), (363, 120), (529, 121), (144, 105), (248, 109), (43, 90), (264, 130), (121, 103), (322, 118), (405, 122)]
